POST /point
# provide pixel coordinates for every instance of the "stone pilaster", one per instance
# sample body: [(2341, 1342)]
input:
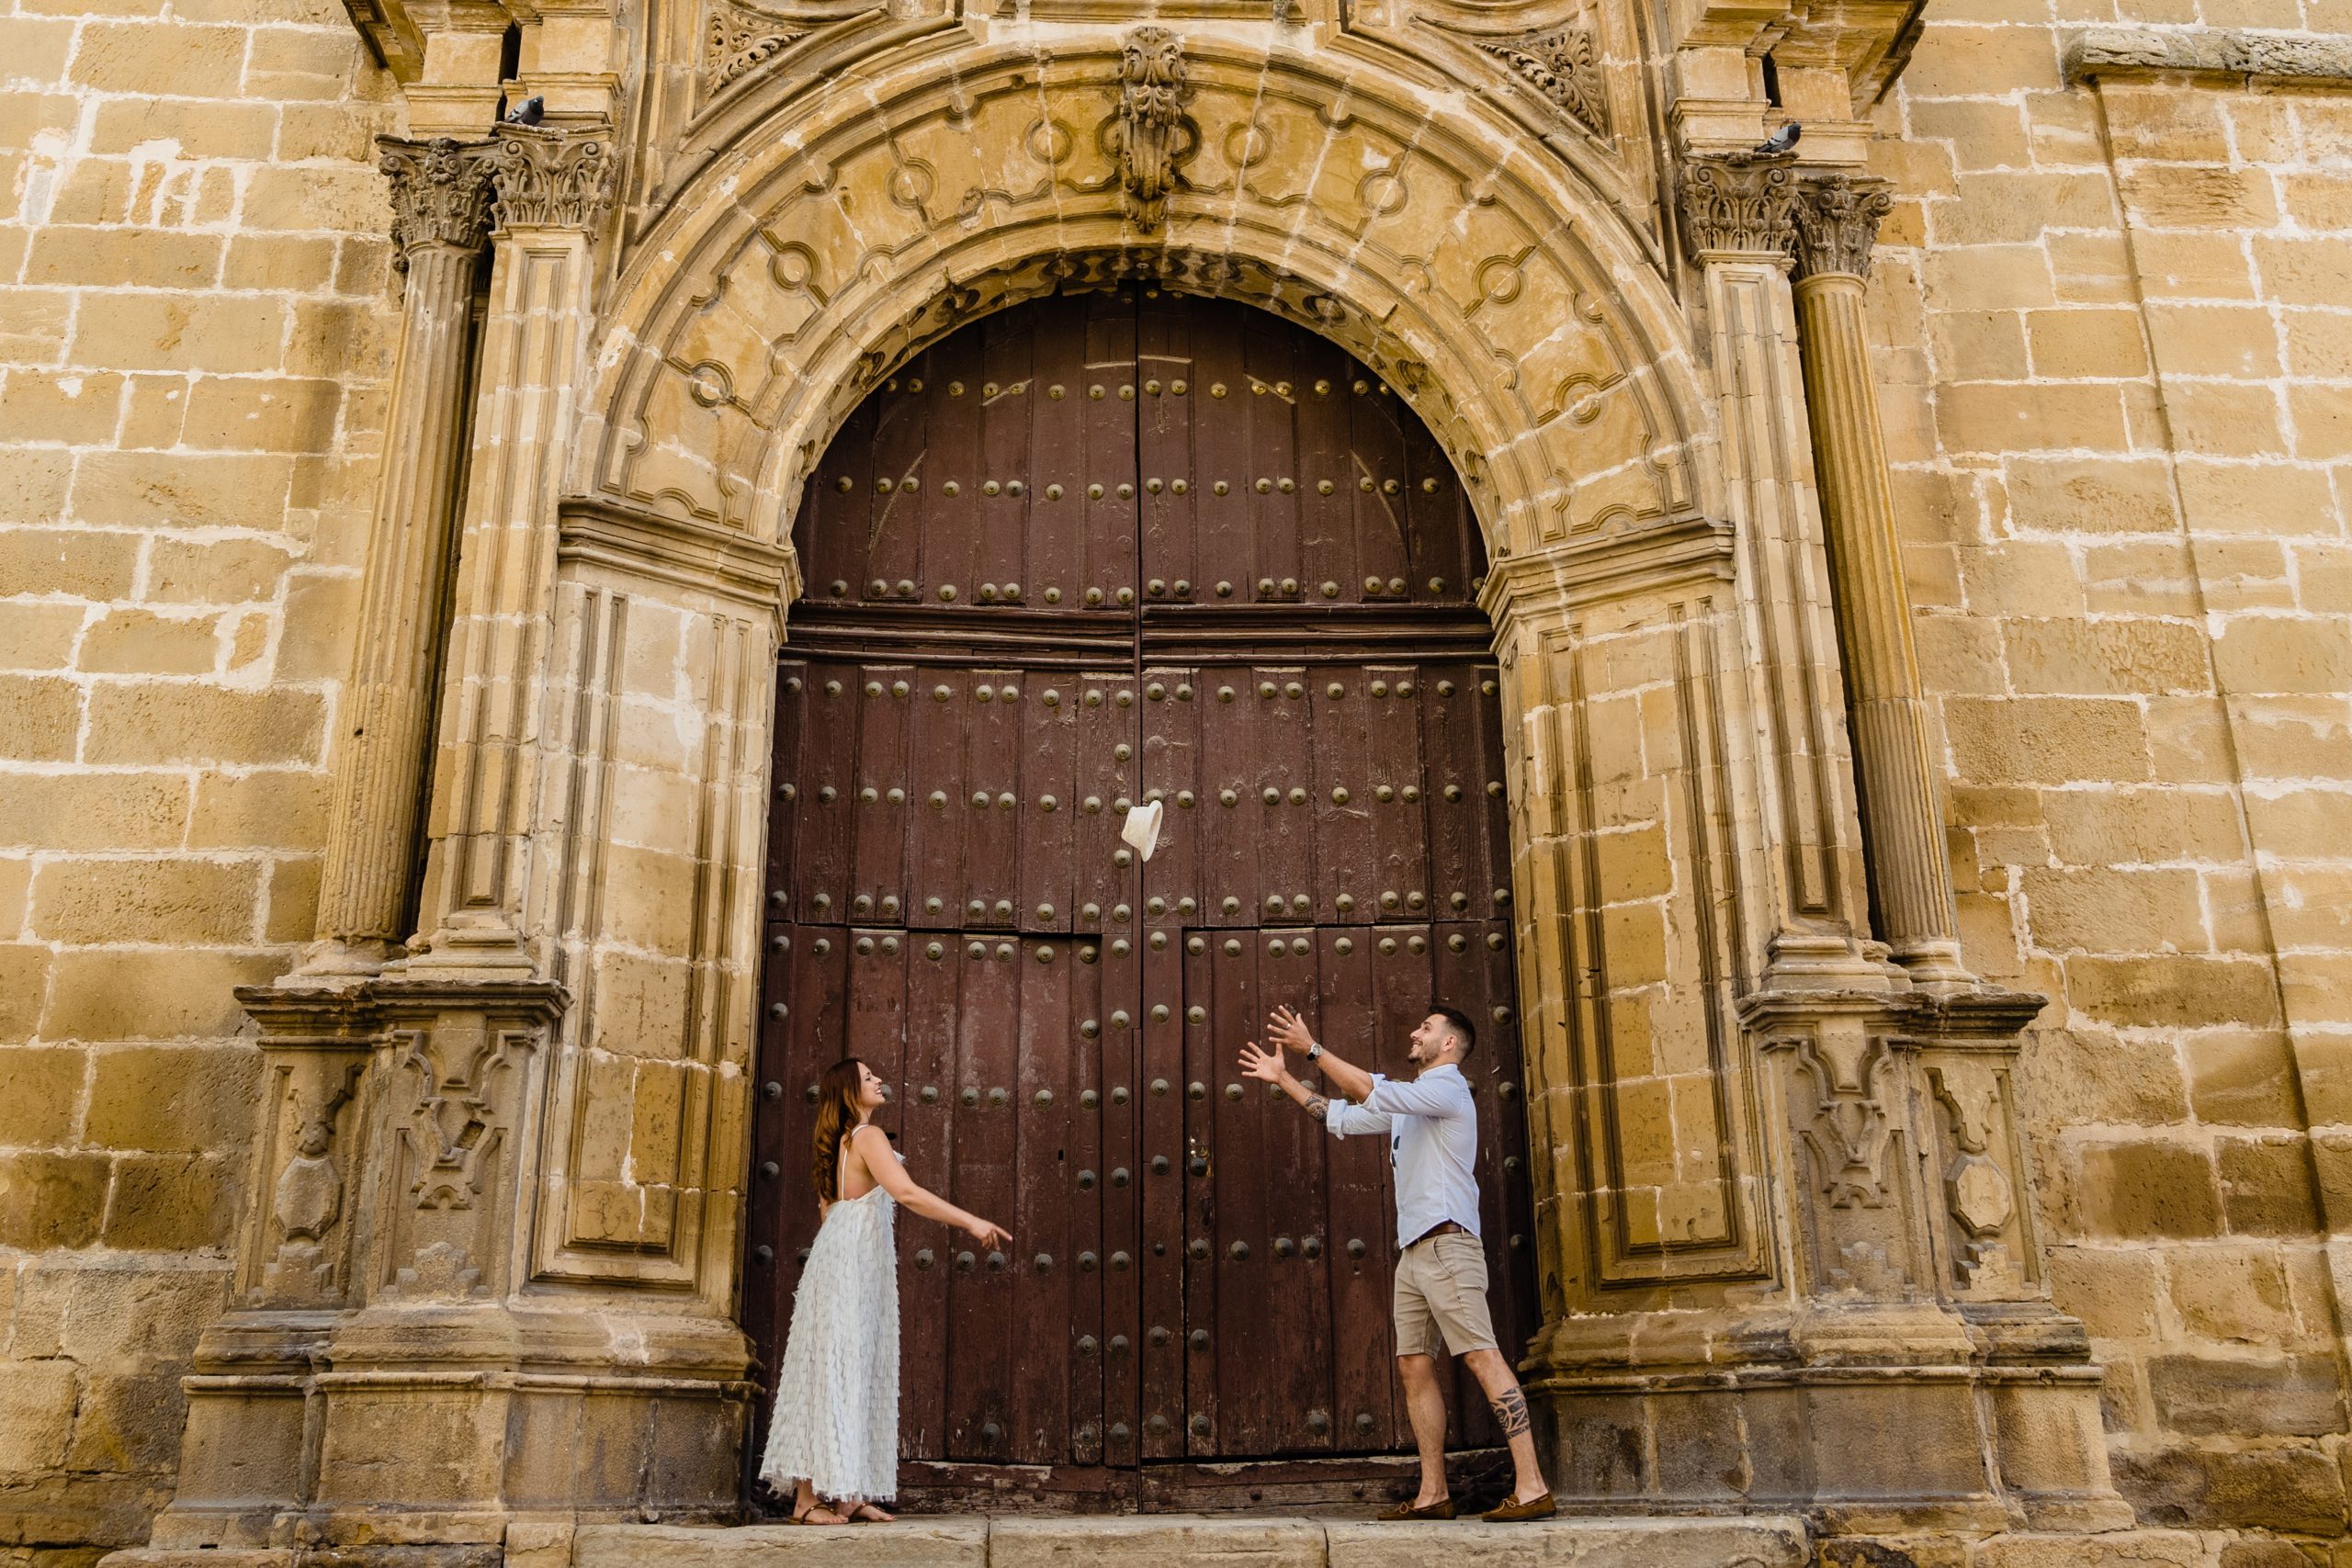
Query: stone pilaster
[(441, 194), (552, 190), (1737, 214), (1836, 221)]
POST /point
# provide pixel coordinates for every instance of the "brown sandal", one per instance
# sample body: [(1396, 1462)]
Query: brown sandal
[(1440, 1509), (800, 1516)]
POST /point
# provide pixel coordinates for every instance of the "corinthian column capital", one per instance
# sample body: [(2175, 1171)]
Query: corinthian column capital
[(440, 192), (1738, 204), (548, 179), (1836, 223)]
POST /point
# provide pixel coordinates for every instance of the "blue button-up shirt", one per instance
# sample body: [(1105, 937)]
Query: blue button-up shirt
[(1433, 1127)]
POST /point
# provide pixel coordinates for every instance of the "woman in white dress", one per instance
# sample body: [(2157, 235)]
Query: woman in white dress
[(835, 1431)]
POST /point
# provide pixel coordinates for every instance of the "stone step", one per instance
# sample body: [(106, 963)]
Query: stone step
[(1183, 1540)]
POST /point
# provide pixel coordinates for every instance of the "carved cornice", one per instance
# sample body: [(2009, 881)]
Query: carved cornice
[(1836, 223), (441, 192), (2304, 59), (687, 554), (548, 179), (1740, 203), (1150, 133), (1562, 65)]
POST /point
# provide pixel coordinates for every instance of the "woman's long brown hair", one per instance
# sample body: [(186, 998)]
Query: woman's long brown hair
[(837, 1095)]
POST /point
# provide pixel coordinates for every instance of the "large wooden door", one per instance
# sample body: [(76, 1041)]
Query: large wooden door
[(1088, 553)]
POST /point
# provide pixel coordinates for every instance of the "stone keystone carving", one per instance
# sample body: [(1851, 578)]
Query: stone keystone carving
[(1564, 65), (1149, 134), (738, 38), (1738, 202), (547, 179), (1836, 223), (441, 193)]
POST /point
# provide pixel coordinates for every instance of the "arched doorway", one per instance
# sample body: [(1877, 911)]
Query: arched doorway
[(1094, 550)]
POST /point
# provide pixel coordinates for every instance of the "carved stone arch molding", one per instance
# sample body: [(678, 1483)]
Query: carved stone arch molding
[(1501, 294)]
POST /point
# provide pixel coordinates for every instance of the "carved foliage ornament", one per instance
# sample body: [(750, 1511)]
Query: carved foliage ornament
[(1564, 65), (1740, 202), (441, 192), (549, 180), (1149, 134), (737, 38), (1836, 223)]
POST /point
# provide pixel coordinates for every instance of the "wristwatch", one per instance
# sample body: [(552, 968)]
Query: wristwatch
[(1314, 1052)]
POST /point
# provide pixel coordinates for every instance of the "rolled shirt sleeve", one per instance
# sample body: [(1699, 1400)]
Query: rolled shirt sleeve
[(1345, 1119), (1445, 1096)]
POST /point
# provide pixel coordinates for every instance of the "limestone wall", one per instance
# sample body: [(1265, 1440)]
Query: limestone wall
[(193, 341), (2115, 335)]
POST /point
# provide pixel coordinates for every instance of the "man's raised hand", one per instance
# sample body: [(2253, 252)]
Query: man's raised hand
[(1288, 1030), (1266, 1066)]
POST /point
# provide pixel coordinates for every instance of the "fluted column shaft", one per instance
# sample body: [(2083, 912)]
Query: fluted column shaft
[(441, 197), (1910, 873)]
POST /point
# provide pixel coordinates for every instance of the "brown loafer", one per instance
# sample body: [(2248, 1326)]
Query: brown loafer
[(1440, 1509), (1511, 1512)]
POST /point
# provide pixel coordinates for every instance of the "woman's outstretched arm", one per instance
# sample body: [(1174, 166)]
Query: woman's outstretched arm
[(873, 1146)]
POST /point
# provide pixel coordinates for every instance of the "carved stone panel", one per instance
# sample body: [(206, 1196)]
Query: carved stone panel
[(1843, 1089), (1976, 1159)]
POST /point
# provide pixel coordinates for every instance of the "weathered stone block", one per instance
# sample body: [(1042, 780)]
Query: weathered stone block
[(2266, 1186), (39, 720), (36, 1400), (2147, 1190), (42, 1087), (172, 1202), (2284, 1488), (2207, 1395), (149, 994), (52, 1200), (203, 724), (154, 900)]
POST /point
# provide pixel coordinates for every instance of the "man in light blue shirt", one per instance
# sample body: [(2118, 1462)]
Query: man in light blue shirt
[(1440, 1301)]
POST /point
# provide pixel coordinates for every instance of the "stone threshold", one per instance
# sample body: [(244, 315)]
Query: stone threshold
[(1179, 1541)]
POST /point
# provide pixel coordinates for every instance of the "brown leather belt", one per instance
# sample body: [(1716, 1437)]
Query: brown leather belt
[(1444, 1227)]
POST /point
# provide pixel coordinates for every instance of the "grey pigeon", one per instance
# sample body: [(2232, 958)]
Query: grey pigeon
[(1782, 140), (531, 110)]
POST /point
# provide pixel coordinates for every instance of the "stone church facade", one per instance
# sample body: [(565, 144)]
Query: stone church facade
[(1921, 633)]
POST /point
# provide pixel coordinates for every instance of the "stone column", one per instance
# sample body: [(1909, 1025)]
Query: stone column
[(1736, 215), (552, 192), (1910, 871), (441, 213), (1794, 1238)]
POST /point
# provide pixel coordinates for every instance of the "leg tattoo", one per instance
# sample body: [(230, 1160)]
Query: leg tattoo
[(1510, 1412)]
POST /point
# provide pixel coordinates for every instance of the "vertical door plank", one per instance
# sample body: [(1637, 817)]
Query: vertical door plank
[(1342, 796), (937, 796), (1008, 460), (1401, 827), (828, 797), (896, 540), (1275, 1280), (1285, 773), (1049, 812), (1042, 1267), (990, 807), (1166, 459), (984, 1338), (1225, 861), (952, 465), (1270, 393), (1328, 473), (877, 802), (836, 514), (1226, 566), (925, 1111), (1346, 1019), (1107, 382), (1054, 547)]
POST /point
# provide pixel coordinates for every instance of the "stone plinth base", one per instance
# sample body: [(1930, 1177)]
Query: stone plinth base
[(1823, 1414), (438, 1427)]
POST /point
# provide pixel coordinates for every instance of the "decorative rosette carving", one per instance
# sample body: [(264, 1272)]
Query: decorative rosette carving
[(1837, 222), (1740, 202), (441, 192), (548, 179)]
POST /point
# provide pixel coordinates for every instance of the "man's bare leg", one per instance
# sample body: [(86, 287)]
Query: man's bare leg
[(1509, 1404), (1425, 1404)]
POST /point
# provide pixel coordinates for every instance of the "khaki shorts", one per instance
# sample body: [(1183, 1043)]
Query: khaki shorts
[(1441, 1291)]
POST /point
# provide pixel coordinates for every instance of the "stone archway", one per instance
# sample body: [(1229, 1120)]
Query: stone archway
[(1709, 1032)]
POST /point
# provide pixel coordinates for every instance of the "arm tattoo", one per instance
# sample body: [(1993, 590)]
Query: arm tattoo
[(1511, 1414), (1318, 1107)]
